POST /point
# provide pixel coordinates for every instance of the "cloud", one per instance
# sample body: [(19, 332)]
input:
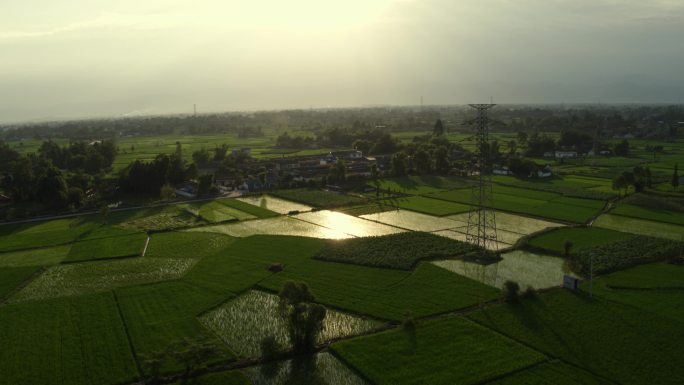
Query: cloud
[(105, 21)]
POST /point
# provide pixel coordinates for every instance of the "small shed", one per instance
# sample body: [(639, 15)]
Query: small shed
[(571, 283)]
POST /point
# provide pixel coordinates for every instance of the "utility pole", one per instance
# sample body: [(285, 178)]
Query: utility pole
[(481, 229), (194, 110)]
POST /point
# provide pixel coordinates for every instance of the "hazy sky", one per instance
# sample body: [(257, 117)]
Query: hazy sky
[(82, 58)]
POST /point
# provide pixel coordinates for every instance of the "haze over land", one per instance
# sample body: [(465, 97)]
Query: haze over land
[(79, 58)]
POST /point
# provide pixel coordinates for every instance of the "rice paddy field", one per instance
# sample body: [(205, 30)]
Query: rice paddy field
[(527, 269), (243, 322), (280, 206), (444, 351), (580, 237), (601, 336), (640, 226), (554, 206), (81, 304)]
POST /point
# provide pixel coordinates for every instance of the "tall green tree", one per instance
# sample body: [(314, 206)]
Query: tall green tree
[(438, 130), (422, 161), (399, 164), (304, 318)]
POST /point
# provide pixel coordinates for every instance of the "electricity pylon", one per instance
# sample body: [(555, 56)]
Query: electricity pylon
[(482, 220)]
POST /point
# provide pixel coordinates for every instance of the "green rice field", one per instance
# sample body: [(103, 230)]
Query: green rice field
[(444, 351), (581, 238), (603, 337), (405, 303), (640, 226), (243, 322)]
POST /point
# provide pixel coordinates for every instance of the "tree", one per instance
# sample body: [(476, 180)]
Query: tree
[(220, 152), (375, 173), (201, 157), (167, 192), (639, 181), (512, 147), (522, 137), (622, 148), (104, 213), (338, 172), (205, 183), (675, 177), (567, 247), (304, 318), (179, 150), (52, 188), (438, 130), (75, 197), (441, 159), (422, 161), (620, 182), (399, 164)]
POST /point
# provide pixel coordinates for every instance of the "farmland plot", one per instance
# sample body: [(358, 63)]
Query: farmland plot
[(74, 340), (83, 278), (420, 184), (177, 244), (633, 211), (216, 212), (12, 277), (34, 257), (319, 198), (613, 340), (233, 377), (156, 218), (441, 351), (525, 268), (128, 245), (347, 224), (243, 264), (461, 236), (243, 322), (514, 223), (657, 288), (384, 293), (532, 202), (274, 226), (398, 251), (415, 221), (274, 204), (555, 373), (162, 314), (247, 208), (640, 226), (581, 238), (321, 369), (42, 234), (429, 206)]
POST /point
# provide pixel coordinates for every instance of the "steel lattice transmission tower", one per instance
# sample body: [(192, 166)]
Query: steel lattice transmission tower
[(482, 221)]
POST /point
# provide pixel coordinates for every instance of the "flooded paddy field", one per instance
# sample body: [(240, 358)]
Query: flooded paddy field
[(347, 224), (528, 269), (277, 205), (243, 322), (282, 225)]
